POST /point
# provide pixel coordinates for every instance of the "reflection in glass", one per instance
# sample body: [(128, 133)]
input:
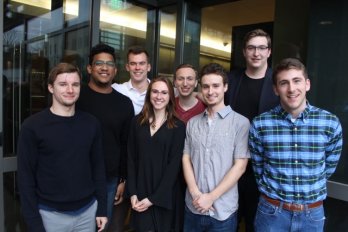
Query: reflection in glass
[(12, 78), (167, 41), (77, 49), (216, 31), (46, 23), (122, 25), (32, 47), (326, 64), (13, 219)]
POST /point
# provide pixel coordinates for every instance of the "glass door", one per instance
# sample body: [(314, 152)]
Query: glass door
[(12, 113), (36, 36)]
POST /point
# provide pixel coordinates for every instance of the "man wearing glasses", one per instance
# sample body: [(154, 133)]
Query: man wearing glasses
[(250, 93), (138, 67), (114, 112)]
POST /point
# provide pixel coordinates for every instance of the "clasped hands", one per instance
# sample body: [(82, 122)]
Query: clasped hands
[(203, 202), (140, 206)]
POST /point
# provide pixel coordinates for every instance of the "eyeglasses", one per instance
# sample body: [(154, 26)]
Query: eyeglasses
[(252, 48), (101, 63)]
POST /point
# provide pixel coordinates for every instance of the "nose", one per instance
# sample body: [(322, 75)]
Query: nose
[(70, 88), (256, 51), (185, 82), (210, 91), (291, 87), (158, 95)]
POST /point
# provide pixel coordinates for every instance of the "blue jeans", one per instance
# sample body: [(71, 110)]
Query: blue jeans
[(111, 192), (271, 218), (196, 222)]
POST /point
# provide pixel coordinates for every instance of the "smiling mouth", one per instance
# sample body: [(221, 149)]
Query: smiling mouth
[(292, 97)]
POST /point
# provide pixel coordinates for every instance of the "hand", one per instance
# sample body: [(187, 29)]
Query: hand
[(119, 193), (196, 195), (101, 222), (134, 200), (203, 203), (143, 205)]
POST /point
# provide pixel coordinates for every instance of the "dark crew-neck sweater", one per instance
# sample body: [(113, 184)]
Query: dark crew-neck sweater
[(60, 164), (115, 112)]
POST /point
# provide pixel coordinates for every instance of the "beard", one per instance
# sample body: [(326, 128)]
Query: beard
[(102, 84)]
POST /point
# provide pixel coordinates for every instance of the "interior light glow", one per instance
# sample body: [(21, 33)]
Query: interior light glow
[(71, 8), (215, 43), (37, 3)]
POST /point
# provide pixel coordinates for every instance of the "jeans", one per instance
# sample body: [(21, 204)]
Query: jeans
[(271, 218), (196, 222), (60, 222), (111, 192)]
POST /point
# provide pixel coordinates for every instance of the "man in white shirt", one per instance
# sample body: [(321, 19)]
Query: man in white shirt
[(138, 67), (135, 89)]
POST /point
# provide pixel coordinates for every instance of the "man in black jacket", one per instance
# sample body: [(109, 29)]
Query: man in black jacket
[(250, 93)]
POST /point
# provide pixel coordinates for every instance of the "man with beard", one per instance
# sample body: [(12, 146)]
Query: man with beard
[(114, 111)]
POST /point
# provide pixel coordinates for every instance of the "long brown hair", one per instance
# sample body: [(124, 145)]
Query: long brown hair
[(148, 112)]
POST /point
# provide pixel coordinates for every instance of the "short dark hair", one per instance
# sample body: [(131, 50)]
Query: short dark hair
[(101, 48), (287, 64), (186, 66), (214, 68), (255, 33), (136, 50), (62, 68)]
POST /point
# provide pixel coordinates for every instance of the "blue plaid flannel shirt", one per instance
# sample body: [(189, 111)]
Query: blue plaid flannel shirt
[(292, 160)]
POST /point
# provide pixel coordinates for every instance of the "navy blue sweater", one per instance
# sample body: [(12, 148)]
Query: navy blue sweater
[(60, 164)]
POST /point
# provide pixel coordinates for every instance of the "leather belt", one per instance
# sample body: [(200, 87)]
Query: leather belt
[(292, 206)]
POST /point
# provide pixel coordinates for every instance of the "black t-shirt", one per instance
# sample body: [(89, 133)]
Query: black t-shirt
[(248, 97)]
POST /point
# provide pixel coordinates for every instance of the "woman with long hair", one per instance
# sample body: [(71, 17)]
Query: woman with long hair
[(155, 148)]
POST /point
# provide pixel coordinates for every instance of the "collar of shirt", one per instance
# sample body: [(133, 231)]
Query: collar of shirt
[(222, 113), (285, 115), (130, 86)]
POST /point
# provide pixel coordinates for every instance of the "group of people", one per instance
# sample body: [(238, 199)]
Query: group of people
[(247, 147)]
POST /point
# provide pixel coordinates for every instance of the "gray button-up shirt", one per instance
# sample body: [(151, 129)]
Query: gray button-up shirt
[(212, 147)]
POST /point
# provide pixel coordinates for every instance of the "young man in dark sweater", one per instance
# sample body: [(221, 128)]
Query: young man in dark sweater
[(114, 112), (61, 173)]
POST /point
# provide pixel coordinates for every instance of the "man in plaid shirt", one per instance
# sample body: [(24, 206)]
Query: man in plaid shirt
[(295, 148)]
